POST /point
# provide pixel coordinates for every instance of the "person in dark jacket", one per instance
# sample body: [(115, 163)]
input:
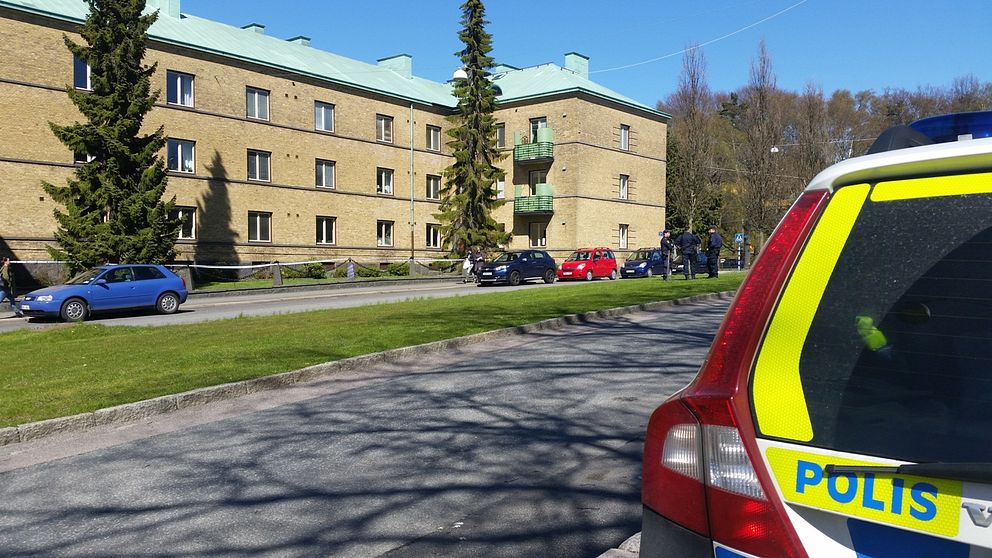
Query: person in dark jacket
[(713, 246), (688, 244), (667, 249), (7, 286)]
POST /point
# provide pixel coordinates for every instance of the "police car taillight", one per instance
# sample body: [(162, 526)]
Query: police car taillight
[(722, 494), (955, 127)]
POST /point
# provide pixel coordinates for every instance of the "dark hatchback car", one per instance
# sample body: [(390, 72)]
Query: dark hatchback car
[(108, 287), (643, 262), (516, 267)]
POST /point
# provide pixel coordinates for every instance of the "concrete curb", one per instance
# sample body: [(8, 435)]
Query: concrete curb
[(357, 283), (170, 403)]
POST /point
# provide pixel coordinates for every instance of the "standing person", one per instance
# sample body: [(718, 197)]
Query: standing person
[(467, 267), (7, 286), (667, 249), (713, 247), (478, 258), (688, 244)]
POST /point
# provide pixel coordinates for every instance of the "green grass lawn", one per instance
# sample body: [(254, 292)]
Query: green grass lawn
[(71, 369)]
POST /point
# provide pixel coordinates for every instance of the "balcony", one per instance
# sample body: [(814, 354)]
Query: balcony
[(540, 152), (542, 203)]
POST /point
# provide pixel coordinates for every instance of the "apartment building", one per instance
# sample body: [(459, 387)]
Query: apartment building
[(280, 151)]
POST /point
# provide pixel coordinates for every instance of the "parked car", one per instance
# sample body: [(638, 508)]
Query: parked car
[(515, 267), (843, 409), (108, 287), (643, 262), (588, 264), (701, 263)]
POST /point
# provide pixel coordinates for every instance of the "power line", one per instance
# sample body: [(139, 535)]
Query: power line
[(707, 43)]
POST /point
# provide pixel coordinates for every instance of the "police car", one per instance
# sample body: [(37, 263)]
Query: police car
[(845, 407)]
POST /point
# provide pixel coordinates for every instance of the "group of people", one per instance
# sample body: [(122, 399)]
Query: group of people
[(688, 244), (472, 265), (7, 286)]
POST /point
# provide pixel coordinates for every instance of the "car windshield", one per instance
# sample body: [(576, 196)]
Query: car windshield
[(579, 257), (898, 359), (85, 277), (506, 257), (638, 255)]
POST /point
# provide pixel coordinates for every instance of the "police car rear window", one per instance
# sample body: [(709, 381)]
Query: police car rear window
[(898, 360)]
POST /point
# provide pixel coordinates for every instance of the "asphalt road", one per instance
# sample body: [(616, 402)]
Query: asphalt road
[(220, 306), (529, 446)]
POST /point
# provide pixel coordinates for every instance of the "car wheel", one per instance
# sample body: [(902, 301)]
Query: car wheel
[(650, 273), (168, 303), (613, 275), (74, 310), (589, 275), (549, 276), (514, 278)]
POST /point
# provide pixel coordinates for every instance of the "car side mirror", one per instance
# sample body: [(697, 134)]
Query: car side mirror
[(100, 281)]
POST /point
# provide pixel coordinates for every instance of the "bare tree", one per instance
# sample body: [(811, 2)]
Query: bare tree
[(814, 143)]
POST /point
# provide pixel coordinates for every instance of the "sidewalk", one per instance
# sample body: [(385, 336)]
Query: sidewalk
[(630, 548)]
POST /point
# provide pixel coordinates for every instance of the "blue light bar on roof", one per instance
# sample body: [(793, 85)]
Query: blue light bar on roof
[(955, 127)]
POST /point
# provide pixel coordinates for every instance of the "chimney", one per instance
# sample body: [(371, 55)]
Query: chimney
[(402, 64), (300, 40), (578, 63), (256, 27), (168, 8)]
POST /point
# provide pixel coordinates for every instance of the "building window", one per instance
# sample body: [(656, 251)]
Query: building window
[(624, 137), (434, 138), (433, 187), (535, 178), (501, 135), (82, 158), (259, 226), (624, 186), (326, 229), (324, 171), (257, 103), (500, 188), (188, 217), (323, 116), (433, 235), (623, 236), (535, 125), (538, 235), (258, 165), (384, 181), (384, 128), (384, 233), (81, 75), (178, 89), (180, 155)]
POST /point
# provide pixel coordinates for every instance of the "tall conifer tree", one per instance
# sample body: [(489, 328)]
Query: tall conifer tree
[(468, 196), (114, 210)]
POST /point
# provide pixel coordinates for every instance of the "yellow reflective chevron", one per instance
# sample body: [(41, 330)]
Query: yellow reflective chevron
[(777, 391)]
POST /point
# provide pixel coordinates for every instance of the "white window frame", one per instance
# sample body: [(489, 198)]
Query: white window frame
[(182, 211), (76, 63), (253, 104), (82, 158), (384, 233), (258, 216), (322, 230), (433, 138), (260, 156), (384, 128), (179, 147), (540, 239), (624, 137), (500, 188), (384, 181), (324, 172), (534, 178), (176, 80), (623, 236), (433, 187), (433, 235), (501, 135), (321, 111), (624, 192)]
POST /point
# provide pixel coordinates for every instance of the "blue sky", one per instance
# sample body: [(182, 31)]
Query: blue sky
[(865, 44)]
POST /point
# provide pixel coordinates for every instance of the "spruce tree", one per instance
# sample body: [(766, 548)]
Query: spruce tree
[(468, 196), (114, 210)]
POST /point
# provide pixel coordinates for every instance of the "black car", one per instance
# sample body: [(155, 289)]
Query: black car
[(515, 267)]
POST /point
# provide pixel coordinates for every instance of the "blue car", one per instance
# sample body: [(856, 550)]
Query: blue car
[(108, 287), (513, 268), (644, 262)]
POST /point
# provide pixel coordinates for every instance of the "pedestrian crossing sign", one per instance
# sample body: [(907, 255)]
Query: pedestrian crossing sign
[(739, 238)]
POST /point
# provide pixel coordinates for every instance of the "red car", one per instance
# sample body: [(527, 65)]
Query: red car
[(588, 264)]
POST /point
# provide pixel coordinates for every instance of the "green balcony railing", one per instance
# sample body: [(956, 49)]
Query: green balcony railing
[(539, 152), (534, 204)]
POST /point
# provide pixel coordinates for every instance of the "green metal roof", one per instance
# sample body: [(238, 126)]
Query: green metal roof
[(252, 46)]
